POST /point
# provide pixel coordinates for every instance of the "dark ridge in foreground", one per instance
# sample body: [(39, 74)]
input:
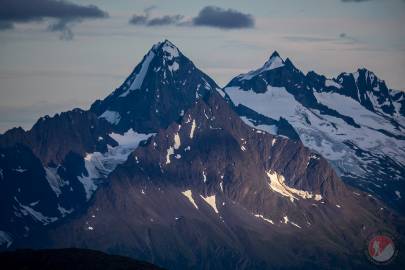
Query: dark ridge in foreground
[(71, 258)]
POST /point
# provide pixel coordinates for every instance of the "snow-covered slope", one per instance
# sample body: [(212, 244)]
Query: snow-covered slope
[(354, 121)]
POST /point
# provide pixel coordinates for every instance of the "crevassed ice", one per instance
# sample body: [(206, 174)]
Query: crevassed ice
[(318, 133), (277, 184), (99, 165)]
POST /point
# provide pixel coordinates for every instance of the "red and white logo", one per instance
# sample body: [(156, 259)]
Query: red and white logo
[(381, 248)]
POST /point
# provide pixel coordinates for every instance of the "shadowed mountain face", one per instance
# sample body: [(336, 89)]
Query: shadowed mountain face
[(61, 259), (77, 149), (158, 91), (210, 192), (354, 121), (169, 169)]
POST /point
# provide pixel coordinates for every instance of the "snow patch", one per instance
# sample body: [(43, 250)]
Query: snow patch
[(111, 117), (211, 201), (193, 126), (189, 196), (204, 176), (170, 50), (264, 218), (177, 141), (137, 82), (295, 224), (54, 180), (20, 170), (277, 184), (170, 151), (64, 212), (332, 83), (5, 239), (99, 165), (37, 216), (174, 67), (398, 194)]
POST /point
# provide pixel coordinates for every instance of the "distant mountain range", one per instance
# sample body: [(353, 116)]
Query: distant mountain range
[(174, 170), (354, 121)]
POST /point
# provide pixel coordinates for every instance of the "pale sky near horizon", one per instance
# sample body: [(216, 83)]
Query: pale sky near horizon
[(42, 74)]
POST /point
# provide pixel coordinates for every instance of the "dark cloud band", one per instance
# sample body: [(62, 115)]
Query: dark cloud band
[(156, 21), (209, 16), (23, 11), (223, 18)]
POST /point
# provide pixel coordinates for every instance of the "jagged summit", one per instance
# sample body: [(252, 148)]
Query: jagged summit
[(275, 61), (158, 91), (275, 54), (164, 45), (167, 51), (355, 114)]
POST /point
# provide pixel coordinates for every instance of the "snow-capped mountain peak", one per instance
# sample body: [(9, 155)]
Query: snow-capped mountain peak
[(367, 89), (169, 50), (353, 120), (275, 61), (160, 88)]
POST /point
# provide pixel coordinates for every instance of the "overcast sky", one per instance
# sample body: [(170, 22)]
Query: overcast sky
[(56, 55)]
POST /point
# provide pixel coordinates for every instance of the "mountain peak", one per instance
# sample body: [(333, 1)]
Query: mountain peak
[(159, 89), (274, 55), (275, 61), (166, 49)]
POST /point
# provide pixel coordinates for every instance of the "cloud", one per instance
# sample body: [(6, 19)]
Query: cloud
[(165, 20), (156, 21), (64, 12), (139, 19), (147, 20), (62, 26), (208, 16), (223, 18)]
